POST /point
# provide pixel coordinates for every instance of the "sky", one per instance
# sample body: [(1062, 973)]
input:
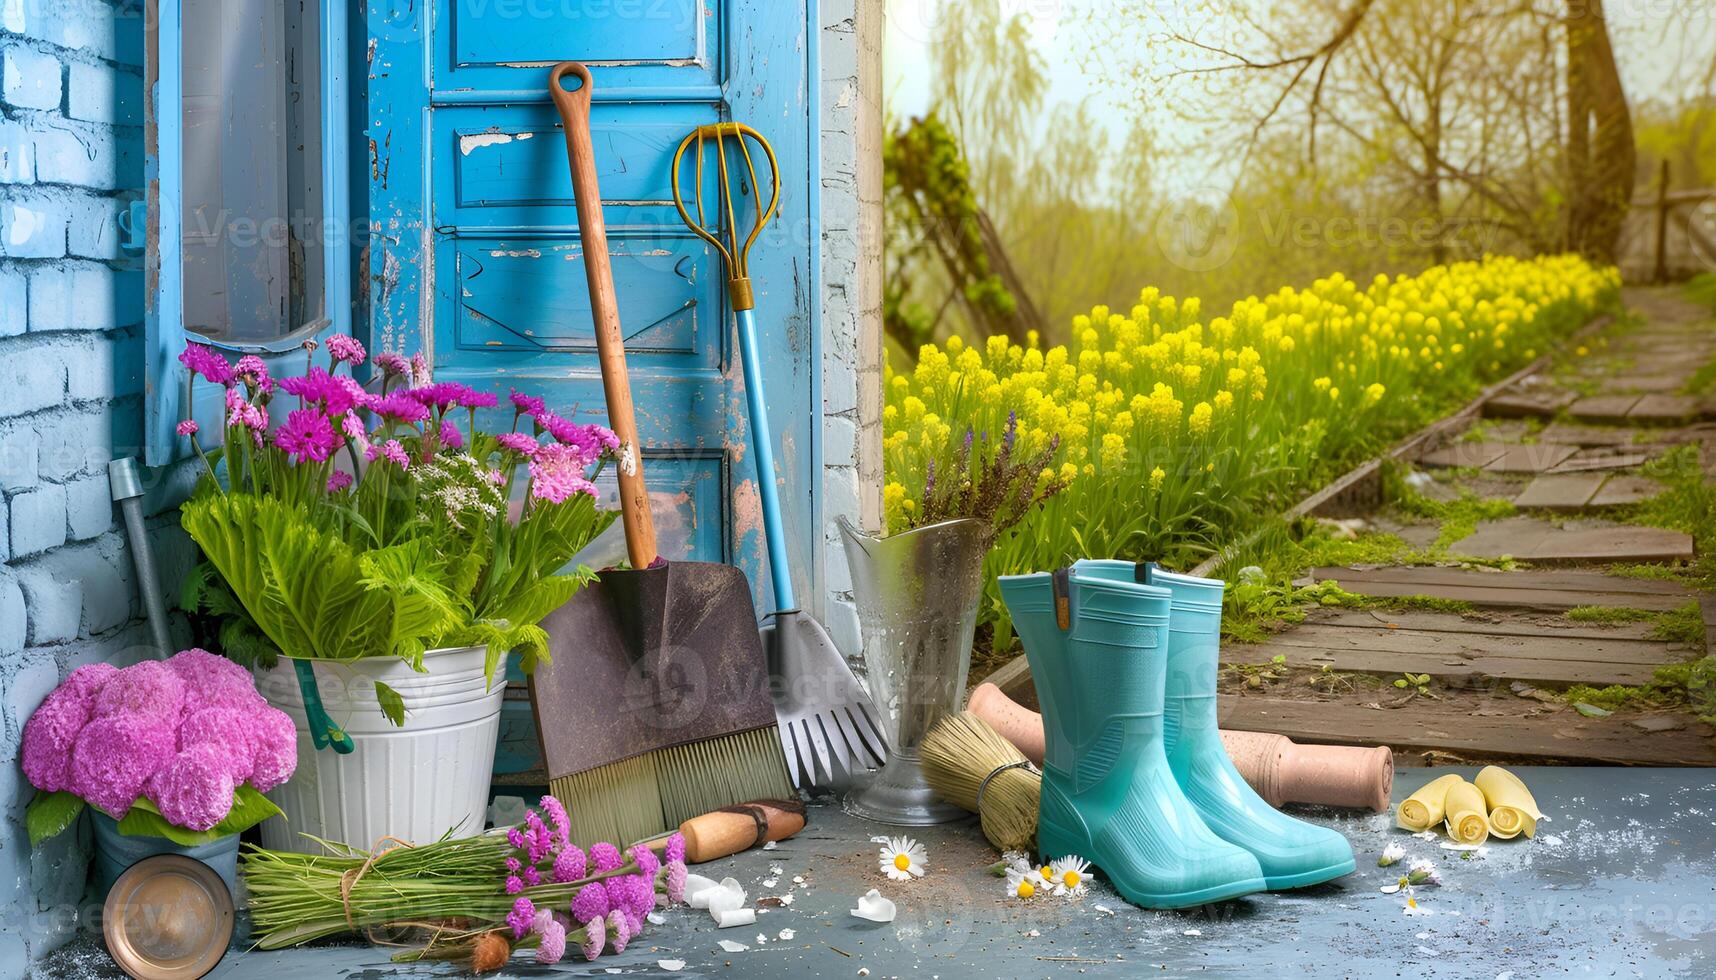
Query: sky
[(1661, 46)]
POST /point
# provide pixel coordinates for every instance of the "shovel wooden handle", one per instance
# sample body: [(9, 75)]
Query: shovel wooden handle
[(574, 109)]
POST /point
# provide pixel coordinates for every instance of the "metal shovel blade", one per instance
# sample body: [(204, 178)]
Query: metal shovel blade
[(829, 729)]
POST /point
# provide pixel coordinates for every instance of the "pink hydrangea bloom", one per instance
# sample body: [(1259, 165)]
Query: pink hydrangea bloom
[(591, 902), (115, 755), (552, 945), (214, 681), (194, 790), (557, 474), (274, 748), (344, 348), (186, 428), (204, 361), (49, 736), (228, 729), (595, 937), (149, 689), (306, 435)]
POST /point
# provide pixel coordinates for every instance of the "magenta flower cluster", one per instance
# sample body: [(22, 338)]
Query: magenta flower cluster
[(184, 733), (611, 911)]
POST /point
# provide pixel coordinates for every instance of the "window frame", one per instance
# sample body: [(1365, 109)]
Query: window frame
[(167, 388)]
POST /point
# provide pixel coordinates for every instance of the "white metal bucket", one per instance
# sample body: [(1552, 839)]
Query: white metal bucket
[(414, 783)]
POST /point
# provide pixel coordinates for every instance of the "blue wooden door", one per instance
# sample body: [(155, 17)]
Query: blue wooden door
[(474, 256)]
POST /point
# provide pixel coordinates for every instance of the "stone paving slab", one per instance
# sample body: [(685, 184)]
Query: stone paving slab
[(1586, 435), (1530, 539), (1465, 455), (1603, 409), (1649, 383), (1664, 410), (1560, 491), (1535, 403), (1605, 459), (1624, 489), (1531, 458)]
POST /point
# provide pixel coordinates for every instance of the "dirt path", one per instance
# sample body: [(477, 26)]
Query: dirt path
[(1529, 569)]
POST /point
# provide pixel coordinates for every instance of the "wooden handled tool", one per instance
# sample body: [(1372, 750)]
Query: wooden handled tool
[(736, 828), (574, 109)]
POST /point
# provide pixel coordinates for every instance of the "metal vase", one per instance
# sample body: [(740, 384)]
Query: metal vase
[(917, 595)]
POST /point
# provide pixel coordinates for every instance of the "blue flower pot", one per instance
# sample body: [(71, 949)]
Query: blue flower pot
[(114, 852)]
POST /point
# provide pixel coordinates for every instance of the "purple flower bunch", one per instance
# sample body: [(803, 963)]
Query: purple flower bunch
[(611, 908), (184, 733)]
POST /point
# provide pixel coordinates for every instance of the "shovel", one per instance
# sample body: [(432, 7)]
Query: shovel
[(655, 707), (828, 726)]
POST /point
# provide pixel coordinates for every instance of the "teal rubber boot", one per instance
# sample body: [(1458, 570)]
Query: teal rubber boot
[(1097, 652), (1292, 853)]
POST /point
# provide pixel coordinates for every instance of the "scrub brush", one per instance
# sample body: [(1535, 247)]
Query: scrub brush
[(970, 765)]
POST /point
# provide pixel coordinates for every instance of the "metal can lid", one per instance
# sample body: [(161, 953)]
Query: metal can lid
[(168, 917)]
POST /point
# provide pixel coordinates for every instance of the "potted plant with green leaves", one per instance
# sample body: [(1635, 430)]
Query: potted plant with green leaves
[(376, 555), (168, 757)]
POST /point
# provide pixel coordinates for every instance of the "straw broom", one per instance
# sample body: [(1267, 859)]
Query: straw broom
[(971, 766)]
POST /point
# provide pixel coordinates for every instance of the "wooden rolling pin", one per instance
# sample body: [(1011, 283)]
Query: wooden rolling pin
[(740, 827), (1277, 768)]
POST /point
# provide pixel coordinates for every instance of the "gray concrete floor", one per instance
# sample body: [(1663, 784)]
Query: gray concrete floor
[(1621, 881)]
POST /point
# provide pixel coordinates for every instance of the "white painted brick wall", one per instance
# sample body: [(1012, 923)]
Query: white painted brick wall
[(851, 294)]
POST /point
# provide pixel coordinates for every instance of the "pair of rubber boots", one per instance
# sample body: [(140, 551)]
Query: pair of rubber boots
[(1135, 778)]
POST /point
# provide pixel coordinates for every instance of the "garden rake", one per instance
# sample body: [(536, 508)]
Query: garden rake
[(828, 726)]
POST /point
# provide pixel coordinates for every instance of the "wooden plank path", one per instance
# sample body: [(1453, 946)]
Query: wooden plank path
[(1495, 670)]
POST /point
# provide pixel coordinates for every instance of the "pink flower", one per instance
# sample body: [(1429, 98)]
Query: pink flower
[(419, 369), (451, 437), (590, 903), (54, 727), (194, 790), (243, 414), (675, 849), (345, 349), (391, 451), (532, 877), (336, 394), (338, 481), (553, 943), (621, 930), (557, 817), (149, 690), (306, 436), (392, 364), (530, 405), (557, 474), (606, 857), (227, 729), (352, 426), (398, 407), (646, 860), (589, 440), (514, 884), (676, 874), (522, 916), (274, 748), (212, 366), (569, 865), (115, 755), (186, 428), (253, 371), (441, 395), (518, 442), (214, 681), (595, 937)]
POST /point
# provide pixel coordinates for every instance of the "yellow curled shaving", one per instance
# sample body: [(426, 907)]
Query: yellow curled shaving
[(1467, 818), (1513, 810), (1423, 809)]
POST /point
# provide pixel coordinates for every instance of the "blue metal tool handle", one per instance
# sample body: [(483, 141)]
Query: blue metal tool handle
[(762, 449), (323, 731)]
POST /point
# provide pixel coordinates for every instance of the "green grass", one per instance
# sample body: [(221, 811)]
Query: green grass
[(1691, 684), (1608, 615), (1684, 625), (1458, 517), (1688, 504)]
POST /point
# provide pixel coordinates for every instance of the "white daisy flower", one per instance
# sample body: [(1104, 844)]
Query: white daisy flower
[(1071, 874), (1390, 855), (902, 859), (1022, 883), (1423, 872), (1017, 860)]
